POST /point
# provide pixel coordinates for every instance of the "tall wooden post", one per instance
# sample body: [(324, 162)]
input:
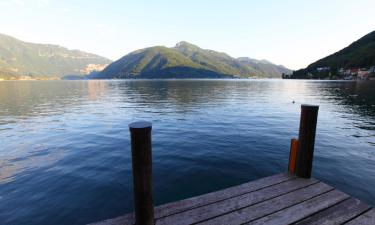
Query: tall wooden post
[(140, 133), (306, 140)]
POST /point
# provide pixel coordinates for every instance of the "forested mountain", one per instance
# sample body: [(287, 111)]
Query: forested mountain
[(185, 60), (19, 58), (359, 54), (266, 66)]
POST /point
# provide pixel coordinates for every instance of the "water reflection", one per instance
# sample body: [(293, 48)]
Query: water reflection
[(357, 97), (354, 102), (30, 98), (191, 92), (65, 144), (96, 88), (23, 160)]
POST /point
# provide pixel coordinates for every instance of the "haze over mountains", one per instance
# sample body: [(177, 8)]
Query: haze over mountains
[(185, 60), (19, 58)]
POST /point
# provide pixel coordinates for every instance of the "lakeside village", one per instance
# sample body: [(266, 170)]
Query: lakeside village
[(327, 73), (320, 73), (29, 78)]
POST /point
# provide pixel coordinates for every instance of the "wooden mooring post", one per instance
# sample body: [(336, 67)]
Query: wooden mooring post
[(300, 160), (140, 133), (293, 156), (277, 199), (306, 140)]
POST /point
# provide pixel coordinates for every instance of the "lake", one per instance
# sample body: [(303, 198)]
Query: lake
[(65, 151)]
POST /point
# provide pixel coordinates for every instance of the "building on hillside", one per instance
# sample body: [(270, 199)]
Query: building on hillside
[(354, 71), (347, 72), (363, 74), (321, 69)]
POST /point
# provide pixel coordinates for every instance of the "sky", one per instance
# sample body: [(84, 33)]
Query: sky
[(293, 33)]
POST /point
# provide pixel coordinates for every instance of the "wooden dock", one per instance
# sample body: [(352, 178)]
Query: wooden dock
[(286, 198), (279, 199)]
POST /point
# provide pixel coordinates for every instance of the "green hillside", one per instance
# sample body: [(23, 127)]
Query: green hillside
[(185, 60), (359, 54), (265, 66), (18, 58)]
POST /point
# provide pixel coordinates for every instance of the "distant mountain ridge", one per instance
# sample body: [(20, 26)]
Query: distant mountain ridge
[(186, 60), (359, 54), (264, 65), (19, 58)]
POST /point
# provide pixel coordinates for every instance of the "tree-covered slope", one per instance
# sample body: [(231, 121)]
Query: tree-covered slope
[(216, 61), (265, 66), (43, 60), (185, 60), (359, 54)]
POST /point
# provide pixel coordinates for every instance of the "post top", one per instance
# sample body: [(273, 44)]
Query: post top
[(310, 106), (140, 125)]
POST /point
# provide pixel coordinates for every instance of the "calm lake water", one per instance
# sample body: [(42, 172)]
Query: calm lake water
[(65, 151)]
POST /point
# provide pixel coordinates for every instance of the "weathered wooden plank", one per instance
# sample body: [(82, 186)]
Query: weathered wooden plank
[(235, 203), (267, 207), (367, 218), (337, 214), (209, 198), (127, 219), (279, 199), (302, 210), (194, 202)]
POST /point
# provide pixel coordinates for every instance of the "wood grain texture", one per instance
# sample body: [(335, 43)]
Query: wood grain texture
[(127, 219), (235, 203), (279, 199), (267, 207), (209, 198), (194, 202), (367, 218), (302, 210), (337, 214)]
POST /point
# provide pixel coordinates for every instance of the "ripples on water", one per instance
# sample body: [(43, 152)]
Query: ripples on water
[(65, 157)]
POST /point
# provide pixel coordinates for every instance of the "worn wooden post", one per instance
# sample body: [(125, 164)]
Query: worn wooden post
[(306, 140), (293, 156), (140, 133)]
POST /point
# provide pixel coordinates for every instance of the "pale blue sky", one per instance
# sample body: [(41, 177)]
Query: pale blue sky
[(289, 32)]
